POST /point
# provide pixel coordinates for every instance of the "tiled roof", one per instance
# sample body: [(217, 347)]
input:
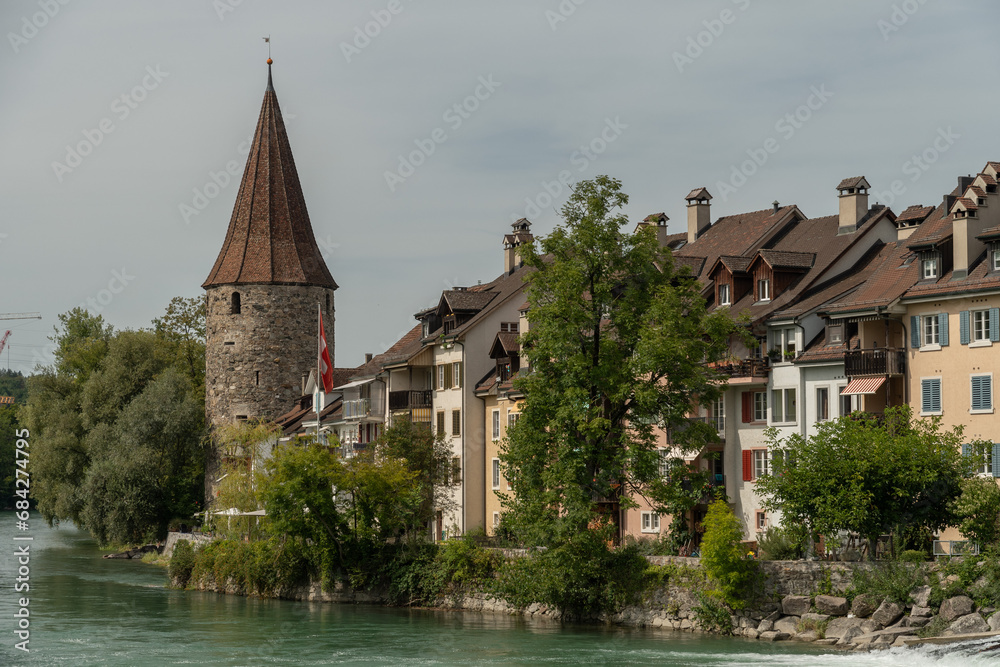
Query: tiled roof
[(467, 300), (698, 193), (401, 349), (966, 203), (787, 259), (934, 230), (509, 341), (739, 234), (693, 263), (656, 217), (989, 180), (887, 277), (291, 421), (980, 278), (270, 239), (979, 192), (915, 213), (853, 182), (990, 234), (735, 264)]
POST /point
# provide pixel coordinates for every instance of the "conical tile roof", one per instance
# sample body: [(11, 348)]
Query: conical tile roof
[(270, 239)]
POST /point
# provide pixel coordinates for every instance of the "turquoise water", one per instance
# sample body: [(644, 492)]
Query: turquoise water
[(89, 611)]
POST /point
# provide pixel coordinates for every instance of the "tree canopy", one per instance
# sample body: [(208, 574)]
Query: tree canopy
[(117, 425), (869, 475), (618, 344)]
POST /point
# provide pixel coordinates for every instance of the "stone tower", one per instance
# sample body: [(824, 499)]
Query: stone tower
[(267, 286)]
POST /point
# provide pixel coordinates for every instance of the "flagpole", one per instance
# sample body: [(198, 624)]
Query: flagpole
[(319, 356)]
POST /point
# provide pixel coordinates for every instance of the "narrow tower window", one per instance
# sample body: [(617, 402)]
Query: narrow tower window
[(257, 378), (235, 309), (327, 303)]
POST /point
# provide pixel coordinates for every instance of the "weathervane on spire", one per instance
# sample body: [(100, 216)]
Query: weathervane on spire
[(267, 40)]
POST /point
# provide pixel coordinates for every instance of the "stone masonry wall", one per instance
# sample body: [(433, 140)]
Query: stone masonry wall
[(255, 361)]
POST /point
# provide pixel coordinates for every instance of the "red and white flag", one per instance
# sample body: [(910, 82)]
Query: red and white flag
[(325, 365)]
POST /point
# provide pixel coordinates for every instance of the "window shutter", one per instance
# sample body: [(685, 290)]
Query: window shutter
[(458, 380), (747, 407), (963, 327), (747, 465), (440, 423), (456, 422), (447, 376), (914, 331), (925, 396), (943, 326), (977, 393), (986, 388), (935, 395), (995, 326), (996, 459)]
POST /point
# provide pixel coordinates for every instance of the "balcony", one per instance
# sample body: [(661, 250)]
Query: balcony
[(357, 408), (409, 399), (744, 368), (874, 361)]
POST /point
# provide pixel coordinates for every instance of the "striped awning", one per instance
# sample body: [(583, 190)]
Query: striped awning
[(862, 386)]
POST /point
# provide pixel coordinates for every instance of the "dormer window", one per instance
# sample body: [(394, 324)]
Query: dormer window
[(724, 299), (764, 289), (996, 259), (449, 324), (929, 268), (835, 334), (981, 201)]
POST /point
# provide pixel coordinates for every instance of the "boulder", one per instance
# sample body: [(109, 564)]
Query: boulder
[(921, 596), (832, 605), (967, 625), (765, 626), (795, 605), (914, 621), (888, 613), (864, 605), (789, 624), (837, 627), (994, 622), (849, 635), (921, 612), (750, 633), (953, 608), (807, 636), (774, 636), (826, 642), (902, 639)]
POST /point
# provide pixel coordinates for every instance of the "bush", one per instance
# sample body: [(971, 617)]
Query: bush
[(722, 556), (912, 556), (181, 564), (784, 543), (711, 615), (892, 580)]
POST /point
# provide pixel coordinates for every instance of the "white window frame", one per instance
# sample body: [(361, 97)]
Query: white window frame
[(664, 461), (824, 403), (512, 418), (760, 520), (717, 414), (440, 382), (496, 474), (764, 289), (853, 399), (724, 298), (496, 520), (929, 268), (650, 522), (779, 409), (761, 462), (760, 407), (930, 332), (456, 374), (940, 395), (996, 259), (980, 333), (981, 411), (496, 425)]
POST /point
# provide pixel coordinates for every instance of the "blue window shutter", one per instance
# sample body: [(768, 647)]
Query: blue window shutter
[(943, 324), (963, 327), (936, 391), (914, 331), (996, 459), (977, 392), (995, 324), (986, 387), (925, 396)]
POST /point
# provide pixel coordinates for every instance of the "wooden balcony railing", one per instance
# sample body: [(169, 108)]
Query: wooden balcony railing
[(409, 399), (744, 368), (874, 361)]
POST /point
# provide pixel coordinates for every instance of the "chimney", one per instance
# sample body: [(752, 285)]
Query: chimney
[(659, 222), (853, 203), (971, 215), (512, 258), (699, 213), (368, 357), (776, 205)]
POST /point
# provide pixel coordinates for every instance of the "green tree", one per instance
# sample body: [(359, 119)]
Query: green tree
[(13, 383), (183, 325), (978, 511), (618, 343), (868, 476), (244, 447), (722, 555)]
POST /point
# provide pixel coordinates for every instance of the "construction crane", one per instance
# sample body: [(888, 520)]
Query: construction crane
[(3, 341), (15, 316)]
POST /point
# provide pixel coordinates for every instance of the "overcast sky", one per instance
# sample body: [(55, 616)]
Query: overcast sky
[(116, 115)]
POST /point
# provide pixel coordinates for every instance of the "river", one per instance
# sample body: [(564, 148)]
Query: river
[(85, 610)]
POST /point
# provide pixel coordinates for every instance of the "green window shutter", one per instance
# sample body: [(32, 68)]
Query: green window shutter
[(456, 422), (914, 331), (440, 423), (996, 459), (461, 371), (995, 326), (447, 376), (943, 327), (963, 327)]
